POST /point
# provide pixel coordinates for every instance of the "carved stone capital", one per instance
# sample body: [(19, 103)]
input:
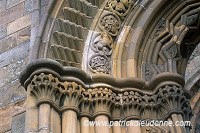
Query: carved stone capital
[(71, 96), (46, 89), (101, 99), (72, 89)]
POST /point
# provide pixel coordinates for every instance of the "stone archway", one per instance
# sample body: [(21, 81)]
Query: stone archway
[(110, 61)]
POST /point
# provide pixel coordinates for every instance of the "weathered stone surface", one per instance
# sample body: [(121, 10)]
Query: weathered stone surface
[(43, 10), (5, 119), (11, 90), (197, 126), (19, 24), (15, 39), (28, 7), (44, 2), (7, 113), (16, 54), (18, 123), (2, 5), (11, 3), (2, 31), (194, 63), (11, 14)]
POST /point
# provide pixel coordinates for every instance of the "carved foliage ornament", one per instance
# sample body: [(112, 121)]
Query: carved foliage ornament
[(120, 7), (110, 23), (103, 43), (48, 89), (99, 63)]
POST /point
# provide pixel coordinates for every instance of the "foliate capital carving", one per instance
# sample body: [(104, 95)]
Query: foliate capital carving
[(49, 89), (45, 88), (101, 99), (71, 95), (129, 104)]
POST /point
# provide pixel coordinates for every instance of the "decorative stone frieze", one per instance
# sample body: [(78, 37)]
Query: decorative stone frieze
[(132, 104), (70, 91), (99, 99)]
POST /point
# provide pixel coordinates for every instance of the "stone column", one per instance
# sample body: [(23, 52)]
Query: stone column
[(44, 88), (103, 121), (133, 128), (182, 127), (69, 122), (117, 128), (44, 118), (55, 121), (72, 97), (31, 121), (177, 119), (171, 128), (102, 101), (85, 128), (85, 109)]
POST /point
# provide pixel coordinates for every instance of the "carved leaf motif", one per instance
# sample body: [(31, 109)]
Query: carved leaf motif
[(120, 7), (110, 23), (99, 63)]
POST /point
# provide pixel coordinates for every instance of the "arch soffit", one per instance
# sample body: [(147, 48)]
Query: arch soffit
[(141, 31)]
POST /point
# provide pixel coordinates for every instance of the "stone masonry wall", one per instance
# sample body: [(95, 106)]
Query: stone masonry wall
[(15, 32)]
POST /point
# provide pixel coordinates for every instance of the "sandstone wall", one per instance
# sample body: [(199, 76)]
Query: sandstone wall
[(15, 33)]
